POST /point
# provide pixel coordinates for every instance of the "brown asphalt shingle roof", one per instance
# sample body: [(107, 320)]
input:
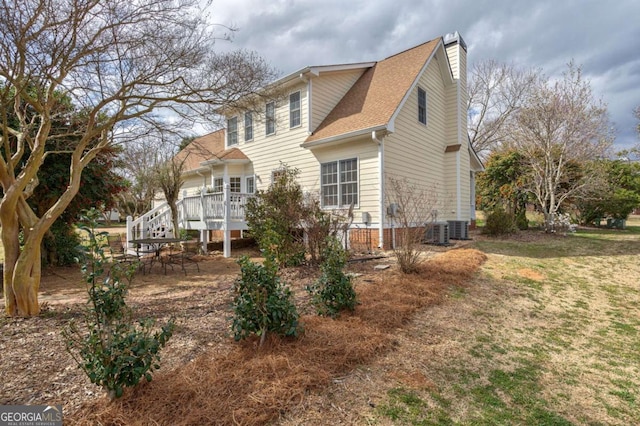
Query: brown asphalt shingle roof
[(207, 147), (374, 98)]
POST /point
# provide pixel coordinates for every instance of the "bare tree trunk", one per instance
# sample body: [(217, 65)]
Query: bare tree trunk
[(26, 281), (174, 219), (11, 246)]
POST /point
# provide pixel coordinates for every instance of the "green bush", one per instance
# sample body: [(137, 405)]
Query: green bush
[(114, 350), (333, 291), (275, 218), (61, 245), (262, 303), (521, 221), (499, 222)]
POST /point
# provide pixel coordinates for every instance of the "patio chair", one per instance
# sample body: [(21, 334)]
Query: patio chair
[(147, 258), (183, 257), (117, 251)]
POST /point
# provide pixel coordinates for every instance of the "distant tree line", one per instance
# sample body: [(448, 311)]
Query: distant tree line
[(547, 143)]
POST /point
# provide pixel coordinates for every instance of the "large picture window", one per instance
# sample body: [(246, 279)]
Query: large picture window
[(294, 109), (339, 183), (232, 131), (270, 118)]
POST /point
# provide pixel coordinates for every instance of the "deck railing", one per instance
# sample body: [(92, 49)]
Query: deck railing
[(205, 207), (211, 206)]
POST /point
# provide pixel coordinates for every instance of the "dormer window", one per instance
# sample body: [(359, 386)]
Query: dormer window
[(294, 109), (422, 106), (232, 131)]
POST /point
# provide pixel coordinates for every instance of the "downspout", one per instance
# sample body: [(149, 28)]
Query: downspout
[(226, 239), (458, 188), (382, 211), (458, 182)]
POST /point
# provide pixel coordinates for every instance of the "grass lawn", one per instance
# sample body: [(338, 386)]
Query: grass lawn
[(549, 333)]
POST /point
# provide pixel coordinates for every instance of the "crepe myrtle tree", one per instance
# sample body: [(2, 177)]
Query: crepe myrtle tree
[(119, 63), (169, 175)]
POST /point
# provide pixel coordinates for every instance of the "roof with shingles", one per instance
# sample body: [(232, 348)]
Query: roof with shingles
[(374, 98), (205, 148)]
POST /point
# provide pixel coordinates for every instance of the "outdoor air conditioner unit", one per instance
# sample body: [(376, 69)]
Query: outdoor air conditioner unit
[(458, 229), (437, 233)]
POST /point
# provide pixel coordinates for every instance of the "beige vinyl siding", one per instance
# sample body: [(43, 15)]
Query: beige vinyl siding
[(327, 90), (452, 53), (459, 57), (416, 151), (267, 153), (193, 183), (366, 151)]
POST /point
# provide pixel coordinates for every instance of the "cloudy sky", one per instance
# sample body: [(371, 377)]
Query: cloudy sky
[(601, 36)]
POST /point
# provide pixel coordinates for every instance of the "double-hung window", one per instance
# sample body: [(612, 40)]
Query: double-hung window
[(422, 106), (217, 184), (234, 184), (270, 118), (232, 131), (339, 183), (294, 109), (250, 187), (248, 126)]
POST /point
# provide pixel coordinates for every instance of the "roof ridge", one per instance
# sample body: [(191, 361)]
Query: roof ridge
[(411, 48), (373, 99)]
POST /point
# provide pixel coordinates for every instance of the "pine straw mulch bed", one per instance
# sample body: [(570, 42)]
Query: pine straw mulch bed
[(246, 385)]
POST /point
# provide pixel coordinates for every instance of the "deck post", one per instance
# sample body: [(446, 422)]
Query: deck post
[(145, 227), (204, 240), (226, 220), (182, 210), (202, 213), (129, 232)]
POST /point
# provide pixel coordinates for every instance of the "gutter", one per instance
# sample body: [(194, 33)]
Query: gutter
[(195, 171), (337, 138)]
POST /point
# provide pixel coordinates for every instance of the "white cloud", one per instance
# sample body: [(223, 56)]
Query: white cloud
[(604, 37)]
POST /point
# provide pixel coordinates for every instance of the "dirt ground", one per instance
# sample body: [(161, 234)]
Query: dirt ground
[(36, 368)]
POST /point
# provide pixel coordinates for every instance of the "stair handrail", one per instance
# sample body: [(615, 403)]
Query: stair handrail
[(146, 223)]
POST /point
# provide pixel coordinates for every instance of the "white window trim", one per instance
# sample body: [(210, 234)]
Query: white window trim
[(299, 109), (236, 132), (218, 179), (239, 186), (266, 119), (339, 183), (246, 184), (252, 127)]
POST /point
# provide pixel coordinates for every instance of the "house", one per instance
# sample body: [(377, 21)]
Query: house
[(346, 128)]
